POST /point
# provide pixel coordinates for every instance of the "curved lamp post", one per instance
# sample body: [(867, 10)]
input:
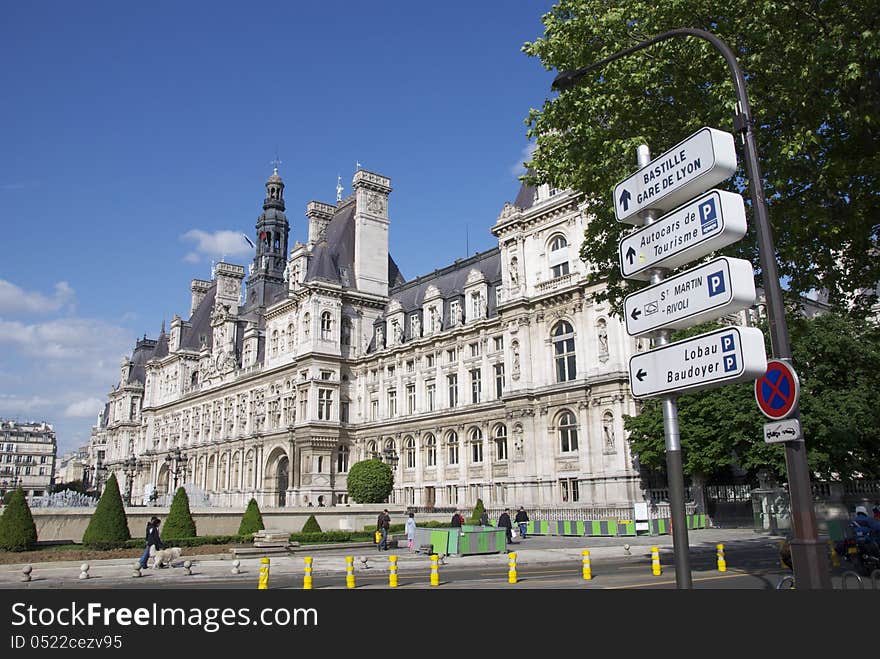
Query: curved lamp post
[(176, 462), (808, 555)]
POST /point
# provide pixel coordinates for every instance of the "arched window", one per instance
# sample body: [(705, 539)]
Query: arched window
[(326, 326), (430, 451), (409, 452), (568, 434), (248, 353), (273, 343), (563, 352), (452, 448), (371, 450), (476, 446), (291, 336), (307, 323), (558, 258), (500, 440), (342, 459)]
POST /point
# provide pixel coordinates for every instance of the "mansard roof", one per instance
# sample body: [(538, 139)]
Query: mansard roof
[(336, 251), (200, 323), (451, 282), (526, 197), (143, 352)]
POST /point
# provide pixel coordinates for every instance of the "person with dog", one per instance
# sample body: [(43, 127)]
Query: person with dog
[(153, 540)]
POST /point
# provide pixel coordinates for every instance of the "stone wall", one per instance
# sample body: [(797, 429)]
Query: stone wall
[(70, 523)]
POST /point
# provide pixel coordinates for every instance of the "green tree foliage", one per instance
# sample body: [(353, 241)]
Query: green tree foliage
[(180, 522), (311, 525), (811, 71), (252, 520), (17, 529), (837, 358), (370, 481), (479, 509), (108, 522)]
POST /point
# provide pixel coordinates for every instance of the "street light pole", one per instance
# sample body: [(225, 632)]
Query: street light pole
[(808, 555)]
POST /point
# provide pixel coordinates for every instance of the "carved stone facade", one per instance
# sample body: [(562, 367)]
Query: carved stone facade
[(497, 377)]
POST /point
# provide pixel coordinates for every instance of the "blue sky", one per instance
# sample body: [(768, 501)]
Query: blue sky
[(133, 134)]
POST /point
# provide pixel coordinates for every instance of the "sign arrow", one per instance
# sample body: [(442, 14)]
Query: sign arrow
[(635, 314), (641, 375), (630, 254), (624, 199)]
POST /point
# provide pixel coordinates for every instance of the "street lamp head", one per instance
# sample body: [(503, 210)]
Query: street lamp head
[(567, 79)]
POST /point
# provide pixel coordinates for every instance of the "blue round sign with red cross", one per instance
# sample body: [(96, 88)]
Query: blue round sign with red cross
[(777, 391)]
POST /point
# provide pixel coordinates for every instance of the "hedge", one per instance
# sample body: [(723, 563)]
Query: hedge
[(18, 532), (108, 523)]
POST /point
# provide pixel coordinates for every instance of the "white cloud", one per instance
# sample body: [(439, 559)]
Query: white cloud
[(66, 339), (12, 405), (215, 245), (14, 299), (518, 169), (84, 408)]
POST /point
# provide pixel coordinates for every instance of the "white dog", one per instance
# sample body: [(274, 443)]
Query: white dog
[(165, 557)]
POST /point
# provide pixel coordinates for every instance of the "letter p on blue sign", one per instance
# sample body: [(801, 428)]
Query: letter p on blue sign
[(708, 216), (716, 283)]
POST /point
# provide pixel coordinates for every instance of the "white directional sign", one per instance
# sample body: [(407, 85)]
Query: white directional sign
[(690, 167), (724, 356), (709, 291), (782, 431), (698, 228)]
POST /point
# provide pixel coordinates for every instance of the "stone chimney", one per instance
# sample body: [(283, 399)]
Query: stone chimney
[(199, 288)]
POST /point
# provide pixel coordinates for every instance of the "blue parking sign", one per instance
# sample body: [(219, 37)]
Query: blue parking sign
[(708, 216)]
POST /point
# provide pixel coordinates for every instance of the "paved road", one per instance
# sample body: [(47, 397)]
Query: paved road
[(542, 562)]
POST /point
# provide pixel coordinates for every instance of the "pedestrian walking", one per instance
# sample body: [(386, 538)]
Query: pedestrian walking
[(522, 519), (152, 539), (383, 523), (410, 529), (484, 519), (457, 519), (504, 522)]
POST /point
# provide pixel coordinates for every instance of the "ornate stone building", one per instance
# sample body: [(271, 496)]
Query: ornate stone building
[(495, 377), (27, 456)]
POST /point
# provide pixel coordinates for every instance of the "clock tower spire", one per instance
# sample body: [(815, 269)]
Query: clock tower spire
[(267, 273)]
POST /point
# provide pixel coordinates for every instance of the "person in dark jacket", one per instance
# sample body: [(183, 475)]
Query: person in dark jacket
[(152, 539), (457, 519), (522, 519), (504, 522), (383, 523), (484, 519)]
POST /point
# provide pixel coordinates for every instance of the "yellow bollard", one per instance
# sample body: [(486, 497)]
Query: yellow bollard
[(835, 559), (655, 562), (722, 564), (307, 579), (392, 571), (349, 571), (588, 573), (435, 572), (264, 574), (511, 564)]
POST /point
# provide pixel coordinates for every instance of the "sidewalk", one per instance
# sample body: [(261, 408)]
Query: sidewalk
[(534, 550)]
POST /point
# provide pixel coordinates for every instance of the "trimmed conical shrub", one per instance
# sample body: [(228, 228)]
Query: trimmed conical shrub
[(311, 525), (479, 509), (180, 522), (17, 529), (108, 522), (252, 520)]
